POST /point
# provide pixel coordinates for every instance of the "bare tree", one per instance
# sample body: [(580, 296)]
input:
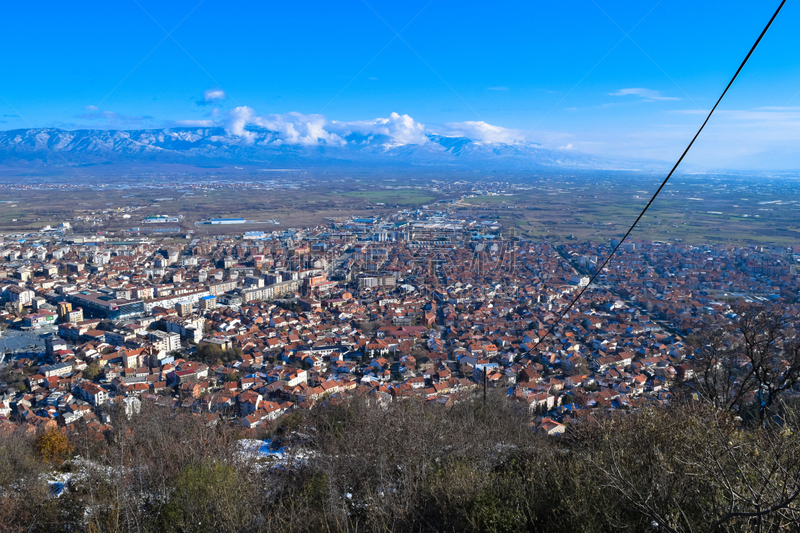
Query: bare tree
[(750, 362), (772, 350), (721, 373)]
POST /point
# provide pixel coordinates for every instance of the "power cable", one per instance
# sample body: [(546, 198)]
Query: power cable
[(663, 183)]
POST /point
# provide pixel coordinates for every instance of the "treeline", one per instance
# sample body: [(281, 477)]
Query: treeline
[(410, 467)]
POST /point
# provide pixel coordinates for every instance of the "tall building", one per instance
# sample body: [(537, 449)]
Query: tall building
[(208, 302), (165, 341), (184, 307), (63, 310)]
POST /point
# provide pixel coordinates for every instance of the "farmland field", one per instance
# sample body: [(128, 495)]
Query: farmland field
[(691, 209)]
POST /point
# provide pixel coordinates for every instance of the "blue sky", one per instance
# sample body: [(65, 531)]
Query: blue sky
[(563, 74)]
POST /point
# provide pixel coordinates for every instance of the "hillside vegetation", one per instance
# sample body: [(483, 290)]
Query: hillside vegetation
[(411, 467)]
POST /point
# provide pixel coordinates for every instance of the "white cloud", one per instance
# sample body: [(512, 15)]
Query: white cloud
[(648, 95), (292, 128), (481, 131), (395, 130), (767, 115), (297, 128), (400, 129), (238, 120), (498, 88), (212, 96), (195, 123)]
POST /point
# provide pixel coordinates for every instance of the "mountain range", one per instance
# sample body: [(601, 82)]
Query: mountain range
[(216, 145)]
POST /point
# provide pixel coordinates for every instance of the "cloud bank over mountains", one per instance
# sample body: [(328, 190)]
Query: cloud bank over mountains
[(393, 131), (293, 140), (241, 135)]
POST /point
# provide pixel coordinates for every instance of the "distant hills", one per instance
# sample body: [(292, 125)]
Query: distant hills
[(201, 146)]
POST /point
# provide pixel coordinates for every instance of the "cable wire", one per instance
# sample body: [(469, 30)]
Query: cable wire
[(663, 183)]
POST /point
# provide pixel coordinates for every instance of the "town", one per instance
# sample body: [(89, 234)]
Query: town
[(401, 267), (418, 304)]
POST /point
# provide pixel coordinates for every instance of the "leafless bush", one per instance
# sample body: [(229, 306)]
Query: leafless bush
[(750, 363)]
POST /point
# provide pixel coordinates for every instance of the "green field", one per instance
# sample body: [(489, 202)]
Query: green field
[(491, 200), (690, 209), (404, 197), (313, 204)]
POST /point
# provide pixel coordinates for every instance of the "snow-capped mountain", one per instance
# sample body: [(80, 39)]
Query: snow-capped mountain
[(216, 145)]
